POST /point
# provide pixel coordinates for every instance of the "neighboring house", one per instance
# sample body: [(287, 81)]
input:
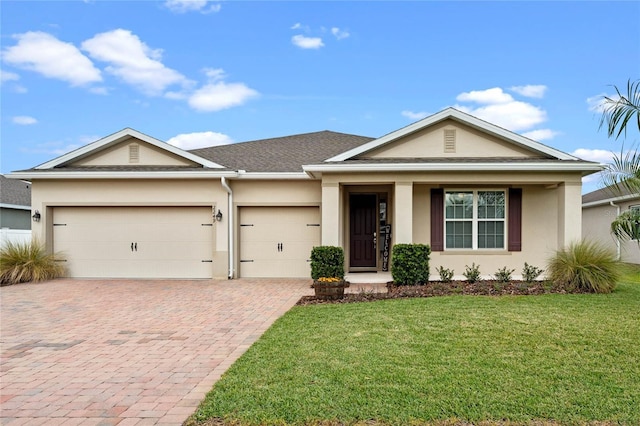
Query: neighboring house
[(15, 210), (599, 209), (129, 205)]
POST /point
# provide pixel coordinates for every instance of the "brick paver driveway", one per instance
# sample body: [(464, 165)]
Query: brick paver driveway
[(126, 352)]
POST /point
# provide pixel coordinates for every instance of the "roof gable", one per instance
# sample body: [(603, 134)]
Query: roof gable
[(114, 150), (424, 139)]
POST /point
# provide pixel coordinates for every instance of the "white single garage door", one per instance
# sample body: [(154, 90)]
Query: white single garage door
[(277, 241), (135, 242)]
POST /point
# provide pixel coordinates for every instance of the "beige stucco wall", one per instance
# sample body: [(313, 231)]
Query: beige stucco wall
[(429, 143), (596, 222), (119, 155), (47, 194)]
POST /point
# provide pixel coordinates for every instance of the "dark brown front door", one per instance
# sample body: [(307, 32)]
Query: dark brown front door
[(363, 216)]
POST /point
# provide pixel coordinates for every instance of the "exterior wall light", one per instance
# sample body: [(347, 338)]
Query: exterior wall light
[(219, 216), (36, 216)]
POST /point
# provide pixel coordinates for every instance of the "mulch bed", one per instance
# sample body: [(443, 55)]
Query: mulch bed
[(436, 288)]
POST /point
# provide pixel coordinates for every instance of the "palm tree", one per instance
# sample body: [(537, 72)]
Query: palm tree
[(617, 113), (627, 226)]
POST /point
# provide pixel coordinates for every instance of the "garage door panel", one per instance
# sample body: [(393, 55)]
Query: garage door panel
[(264, 229), (168, 242)]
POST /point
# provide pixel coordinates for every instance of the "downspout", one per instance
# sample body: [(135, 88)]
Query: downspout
[(230, 237), (617, 240)]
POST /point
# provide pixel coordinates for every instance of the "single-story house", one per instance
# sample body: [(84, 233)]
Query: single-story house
[(15, 210), (599, 209), (129, 205)]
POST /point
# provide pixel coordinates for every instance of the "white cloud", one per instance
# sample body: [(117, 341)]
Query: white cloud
[(515, 116), (489, 96), (8, 76), (184, 6), (220, 95), (99, 90), (43, 53), (541, 134), (598, 155), (530, 90), (339, 34), (52, 148), (596, 103), (199, 140), (307, 42), (296, 26), (415, 115), (133, 61), (24, 120), (217, 95)]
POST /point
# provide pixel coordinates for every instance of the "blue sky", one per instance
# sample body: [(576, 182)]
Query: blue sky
[(198, 73)]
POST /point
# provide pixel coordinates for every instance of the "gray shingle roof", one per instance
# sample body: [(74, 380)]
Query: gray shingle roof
[(284, 154), (606, 193), (17, 192)]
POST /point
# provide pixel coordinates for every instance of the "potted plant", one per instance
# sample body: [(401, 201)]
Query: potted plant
[(329, 288), (327, 271)]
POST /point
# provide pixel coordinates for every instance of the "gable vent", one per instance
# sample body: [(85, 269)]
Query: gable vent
[(449, 140), (134, 153)]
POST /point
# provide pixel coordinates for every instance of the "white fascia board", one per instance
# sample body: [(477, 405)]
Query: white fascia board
[(14, 206), (452, 167), (463, 118), (273, 175), (118, 137), (204, 174), (621, 198)]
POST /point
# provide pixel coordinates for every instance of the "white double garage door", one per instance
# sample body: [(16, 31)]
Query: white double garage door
[(179, 242)]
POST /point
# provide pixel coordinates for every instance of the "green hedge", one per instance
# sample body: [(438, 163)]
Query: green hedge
[(327, 261), (410, 264)]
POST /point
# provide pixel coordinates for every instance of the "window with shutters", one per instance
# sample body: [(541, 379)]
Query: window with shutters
[(475, 220)]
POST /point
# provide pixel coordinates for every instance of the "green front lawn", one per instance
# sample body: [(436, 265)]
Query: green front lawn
[(569, 359)]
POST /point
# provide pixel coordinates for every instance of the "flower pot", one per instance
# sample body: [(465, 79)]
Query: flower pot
[(330, 291)]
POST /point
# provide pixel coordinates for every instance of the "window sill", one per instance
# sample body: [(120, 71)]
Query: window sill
[(475, 252)]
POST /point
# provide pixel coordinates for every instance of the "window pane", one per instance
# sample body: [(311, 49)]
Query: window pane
[(491, 234), (459, 234), (459, 205), (492, 204)]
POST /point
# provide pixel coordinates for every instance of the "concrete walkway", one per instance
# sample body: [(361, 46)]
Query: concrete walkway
[(126, 352)]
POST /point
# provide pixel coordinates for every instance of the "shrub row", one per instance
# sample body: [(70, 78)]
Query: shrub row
[(584, 266)]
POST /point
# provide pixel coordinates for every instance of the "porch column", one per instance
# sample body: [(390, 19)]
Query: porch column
[(403, 213), (330, 214), (569, 213)]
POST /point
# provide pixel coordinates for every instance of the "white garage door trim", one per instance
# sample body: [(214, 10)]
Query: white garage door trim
[(276, 242), (135, 241)]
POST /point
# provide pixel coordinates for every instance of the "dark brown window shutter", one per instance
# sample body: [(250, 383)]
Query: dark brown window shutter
[(515, 219), (437, 219)]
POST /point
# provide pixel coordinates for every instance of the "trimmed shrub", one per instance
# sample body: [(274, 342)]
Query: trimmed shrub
[(530, 273), (472, 273), (504, 275), (27, 262), (327, 261), (410, 264), (446, 274), (585, 266)]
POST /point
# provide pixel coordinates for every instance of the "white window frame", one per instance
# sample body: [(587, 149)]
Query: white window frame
[(475, 220)]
